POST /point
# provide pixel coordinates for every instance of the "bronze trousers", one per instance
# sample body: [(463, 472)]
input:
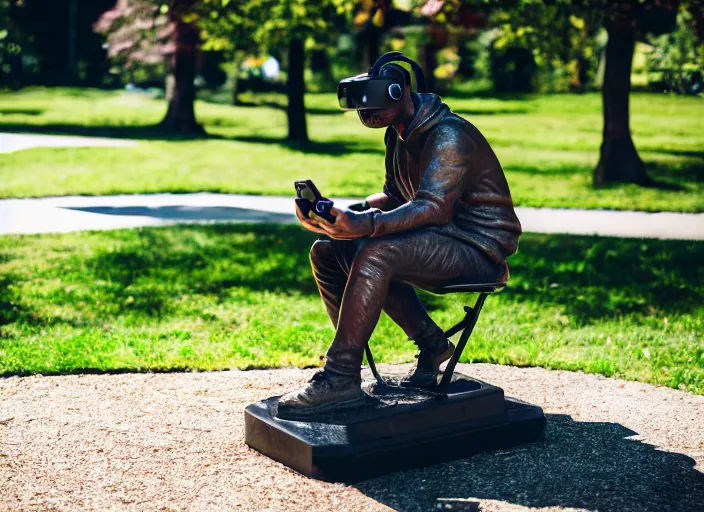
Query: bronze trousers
[(359, 278)]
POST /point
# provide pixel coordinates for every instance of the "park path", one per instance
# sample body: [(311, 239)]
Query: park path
[(174, 441), (76, 213), (10, 142)]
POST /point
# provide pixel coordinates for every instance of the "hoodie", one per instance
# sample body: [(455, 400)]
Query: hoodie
[(443, 176)]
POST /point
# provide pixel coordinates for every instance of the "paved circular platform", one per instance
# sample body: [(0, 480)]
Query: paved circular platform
[(175, 442)]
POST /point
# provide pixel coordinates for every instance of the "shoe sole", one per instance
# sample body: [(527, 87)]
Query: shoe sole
[(318, 409)]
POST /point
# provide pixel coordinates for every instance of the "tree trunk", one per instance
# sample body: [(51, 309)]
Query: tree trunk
[(180, 116), (239, 57), (72, 58), (320, 66), (619, 160), (296, 109), (235, 91), (367, 47), (374, 44), (430, 62)]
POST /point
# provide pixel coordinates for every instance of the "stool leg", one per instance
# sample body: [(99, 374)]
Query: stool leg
[(372, 365), (472, 316)]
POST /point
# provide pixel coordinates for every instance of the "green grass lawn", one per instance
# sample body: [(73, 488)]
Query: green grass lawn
[(547, 144), (242, 296)]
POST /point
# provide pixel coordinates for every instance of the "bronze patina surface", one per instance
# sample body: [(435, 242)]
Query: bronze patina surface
[(445, 223), (445, 216)]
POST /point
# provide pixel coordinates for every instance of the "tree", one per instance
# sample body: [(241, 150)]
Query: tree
[(676, 61), (146, 31), (624, 21), (12, 39), (447, 19), (562, 44), (51, 42), (251, 25), (182, 51), (292, 23), (227, 26), (370, 19)]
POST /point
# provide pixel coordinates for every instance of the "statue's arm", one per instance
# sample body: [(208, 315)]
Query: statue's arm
[(446, 173), (392, 198)]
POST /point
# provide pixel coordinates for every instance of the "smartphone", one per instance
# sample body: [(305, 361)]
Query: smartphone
[(309, 198)]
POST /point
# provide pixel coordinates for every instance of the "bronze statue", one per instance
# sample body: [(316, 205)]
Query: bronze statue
[(445, 216)]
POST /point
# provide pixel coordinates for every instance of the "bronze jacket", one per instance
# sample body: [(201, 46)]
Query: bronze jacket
[(444, 176)]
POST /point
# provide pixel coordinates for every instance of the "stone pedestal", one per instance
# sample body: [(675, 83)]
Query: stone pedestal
[(397, 429)]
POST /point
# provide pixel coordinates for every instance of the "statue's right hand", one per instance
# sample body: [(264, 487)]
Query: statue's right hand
[(308, 223)]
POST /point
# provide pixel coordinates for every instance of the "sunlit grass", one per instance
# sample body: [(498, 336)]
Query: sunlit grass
[(243, 296), (547, 144)]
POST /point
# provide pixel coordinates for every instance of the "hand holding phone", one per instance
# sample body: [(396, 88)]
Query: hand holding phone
[(308, 198)]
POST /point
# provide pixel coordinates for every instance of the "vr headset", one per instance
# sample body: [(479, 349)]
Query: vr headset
[(369, 90)]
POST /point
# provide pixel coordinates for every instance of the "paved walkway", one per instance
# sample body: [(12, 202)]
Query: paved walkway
[(76, 213), (175, 442), (10, 142)]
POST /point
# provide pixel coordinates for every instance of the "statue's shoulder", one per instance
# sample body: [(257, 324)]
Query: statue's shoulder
[(455, 120), (451, 125), (455, 124)]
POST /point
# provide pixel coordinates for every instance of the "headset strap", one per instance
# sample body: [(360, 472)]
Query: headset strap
[(399, 59)]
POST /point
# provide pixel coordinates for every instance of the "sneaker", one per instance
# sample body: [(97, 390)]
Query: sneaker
[(427, 369), (323, 393)]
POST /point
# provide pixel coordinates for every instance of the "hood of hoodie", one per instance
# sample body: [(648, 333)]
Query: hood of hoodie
[(430, 110)]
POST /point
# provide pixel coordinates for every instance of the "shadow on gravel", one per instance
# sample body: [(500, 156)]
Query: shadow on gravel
[(580, 464)]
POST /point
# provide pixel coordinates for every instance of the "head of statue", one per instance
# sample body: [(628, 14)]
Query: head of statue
[(383, 96)]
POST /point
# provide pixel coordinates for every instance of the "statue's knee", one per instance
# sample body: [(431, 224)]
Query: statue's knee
[(321, 251), (377, 253)]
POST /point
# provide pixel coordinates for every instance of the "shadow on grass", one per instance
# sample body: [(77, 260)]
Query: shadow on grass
[(145, 132), (491, 112), (11, 310), (594, 278), (688, 171), (664, 185), (152, 272), (151, 132), (585, 465), (14, 310), (562, 170), (490, 95), (22, 111), (682, 152), (334, 148), (315, 111), (664, 176)]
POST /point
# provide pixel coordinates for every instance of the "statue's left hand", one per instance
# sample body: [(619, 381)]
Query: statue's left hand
[(348, 224)]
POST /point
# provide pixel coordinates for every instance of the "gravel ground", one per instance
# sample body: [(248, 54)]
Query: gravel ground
[(175, 442)]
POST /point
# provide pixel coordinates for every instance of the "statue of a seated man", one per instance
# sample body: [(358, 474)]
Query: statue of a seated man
[(445, 216)]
